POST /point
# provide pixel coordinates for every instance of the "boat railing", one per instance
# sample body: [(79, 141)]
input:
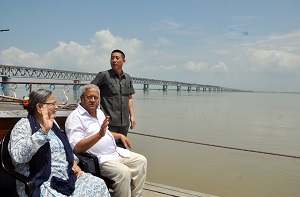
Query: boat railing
[(66, 93)]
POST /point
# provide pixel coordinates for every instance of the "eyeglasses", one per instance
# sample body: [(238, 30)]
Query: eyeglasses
[(92, 97), (53, 104)]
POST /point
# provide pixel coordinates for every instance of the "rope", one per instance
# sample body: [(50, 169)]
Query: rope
[(218, 146)]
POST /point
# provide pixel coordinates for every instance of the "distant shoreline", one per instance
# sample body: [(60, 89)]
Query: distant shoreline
[(171, 89)]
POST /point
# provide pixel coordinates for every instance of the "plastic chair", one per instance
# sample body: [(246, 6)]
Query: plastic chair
[(87, 162), (9, 167)]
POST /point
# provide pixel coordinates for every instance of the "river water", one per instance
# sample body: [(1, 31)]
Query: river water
[(266, 122)]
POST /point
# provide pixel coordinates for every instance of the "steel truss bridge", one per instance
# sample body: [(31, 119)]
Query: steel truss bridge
[(8, 72)]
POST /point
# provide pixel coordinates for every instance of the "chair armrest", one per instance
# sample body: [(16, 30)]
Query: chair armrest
[(29, 184), (9, 167), (88, 163)]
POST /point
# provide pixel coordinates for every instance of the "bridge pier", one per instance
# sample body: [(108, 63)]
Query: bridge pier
[(165, 87), (76, 90), (146, 87), (189, 88), (178, 88), (75, 87), (6, 89)]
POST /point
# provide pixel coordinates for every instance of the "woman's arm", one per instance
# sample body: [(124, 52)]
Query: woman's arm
[(77, 170), (23, 144)]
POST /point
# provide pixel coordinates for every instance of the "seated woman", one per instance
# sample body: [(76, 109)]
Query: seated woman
[(41, 151)]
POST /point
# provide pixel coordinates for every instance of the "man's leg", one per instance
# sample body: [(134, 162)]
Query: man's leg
[(121, 176), (137, 164)]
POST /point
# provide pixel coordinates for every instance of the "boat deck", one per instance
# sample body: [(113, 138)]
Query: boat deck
[(9, 110), (159, 190)]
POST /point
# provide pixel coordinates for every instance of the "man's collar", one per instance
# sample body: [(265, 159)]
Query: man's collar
[(83, 111), (114, 73)]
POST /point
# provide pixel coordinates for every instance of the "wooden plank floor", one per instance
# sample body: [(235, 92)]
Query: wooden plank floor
[(159, 190)]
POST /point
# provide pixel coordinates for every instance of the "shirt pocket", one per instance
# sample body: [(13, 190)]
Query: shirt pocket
[(114, 87), (126, 88)]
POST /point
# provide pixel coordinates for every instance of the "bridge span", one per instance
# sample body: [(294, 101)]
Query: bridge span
[(8, 72)]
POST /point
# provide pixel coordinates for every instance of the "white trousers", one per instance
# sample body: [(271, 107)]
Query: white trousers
[(129, 174)]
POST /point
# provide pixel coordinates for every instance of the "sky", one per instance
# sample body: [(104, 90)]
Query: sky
[(248, 45)]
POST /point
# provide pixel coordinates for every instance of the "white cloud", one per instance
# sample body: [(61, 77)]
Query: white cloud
[(173, 67), (163, 41), (104, 42), (219, 68), (176, 28), (107, 41), (72, 56), (289, 42), (273, 61), (170, 24), (289, 36), (14, 56), (193, 66), (76, 57)]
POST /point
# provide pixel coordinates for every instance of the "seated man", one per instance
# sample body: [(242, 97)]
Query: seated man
[(86, 128)]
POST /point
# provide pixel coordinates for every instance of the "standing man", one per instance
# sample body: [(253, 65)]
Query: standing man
[(116, 95)]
